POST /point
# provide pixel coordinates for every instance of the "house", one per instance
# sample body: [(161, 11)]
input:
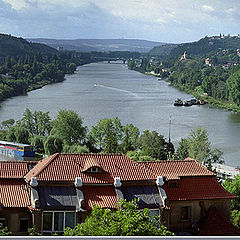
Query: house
[(14, 198), (64, 187), (224, 171), (191, 192), (60, 191)]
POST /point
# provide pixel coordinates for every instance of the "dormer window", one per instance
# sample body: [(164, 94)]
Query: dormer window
[(94, 169)]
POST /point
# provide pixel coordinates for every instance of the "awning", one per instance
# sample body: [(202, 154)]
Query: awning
[(58, 197), (149, 196)]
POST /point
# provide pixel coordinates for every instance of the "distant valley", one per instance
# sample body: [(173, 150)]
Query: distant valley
[(100, 45)]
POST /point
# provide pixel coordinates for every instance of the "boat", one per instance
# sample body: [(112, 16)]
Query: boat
[(178, 102), (194, 101), (202, 102), (187, 103), (159, 79), (95, 85), (18, 149)]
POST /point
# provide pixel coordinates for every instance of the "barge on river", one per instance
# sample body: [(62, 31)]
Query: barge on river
[(16, 149)]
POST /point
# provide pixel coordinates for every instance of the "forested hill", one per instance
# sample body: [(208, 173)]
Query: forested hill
[(199, 48), (100, 45), (13, 46), (208, 44)]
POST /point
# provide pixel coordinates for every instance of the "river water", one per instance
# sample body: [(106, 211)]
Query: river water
[(101, 90)]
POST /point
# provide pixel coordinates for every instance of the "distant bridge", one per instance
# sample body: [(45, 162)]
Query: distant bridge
[(111, 60)]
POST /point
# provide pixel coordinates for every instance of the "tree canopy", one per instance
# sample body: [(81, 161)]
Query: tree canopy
[(126, 220)]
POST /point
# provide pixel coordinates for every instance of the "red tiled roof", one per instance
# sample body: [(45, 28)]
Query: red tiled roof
[(13, 193), (197, 188), (102, 196), (217, 224), (66, 167), (91, 162), (173, 169), (13, 169)]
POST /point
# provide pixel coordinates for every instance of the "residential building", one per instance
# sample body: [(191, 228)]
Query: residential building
[(224, 171), (14, 197), (60, 191)]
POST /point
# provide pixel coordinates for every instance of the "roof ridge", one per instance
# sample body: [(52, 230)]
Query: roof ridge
[(175, 160), (43, 163)]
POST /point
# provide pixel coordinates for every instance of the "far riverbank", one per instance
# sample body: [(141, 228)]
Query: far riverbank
[(210, 100)]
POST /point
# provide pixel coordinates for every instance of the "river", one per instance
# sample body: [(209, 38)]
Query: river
[(101, 90)]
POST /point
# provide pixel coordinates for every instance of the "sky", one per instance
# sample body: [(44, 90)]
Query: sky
[(169, 21)]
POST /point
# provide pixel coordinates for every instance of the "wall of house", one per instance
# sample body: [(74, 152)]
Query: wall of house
[(14, 216), (196, 213)]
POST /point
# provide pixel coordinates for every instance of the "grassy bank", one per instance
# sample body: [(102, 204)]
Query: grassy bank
[(230, 106)]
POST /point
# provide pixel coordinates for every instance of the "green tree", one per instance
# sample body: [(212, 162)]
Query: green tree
[(11, 135), (38, 143), (8, 123), (130, 138), (69, 127), (198, 146), (154, 145), (75, 148), (4, 231), (233, 86), (22, 134), (107, 135), (53, 144), (126, 220), (233, 186)]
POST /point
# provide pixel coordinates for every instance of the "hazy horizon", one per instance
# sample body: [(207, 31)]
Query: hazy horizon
[(167, 21)]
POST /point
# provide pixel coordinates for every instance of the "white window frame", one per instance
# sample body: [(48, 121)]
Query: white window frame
[(95, 169), (159, 213), (64, 216)]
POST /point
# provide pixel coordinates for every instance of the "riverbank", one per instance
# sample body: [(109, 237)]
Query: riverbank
[(214, 102)]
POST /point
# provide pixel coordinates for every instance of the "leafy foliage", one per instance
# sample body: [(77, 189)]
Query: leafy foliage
[(4, 231), (126, 220), (68, 126), (234, 188), (197, 146)]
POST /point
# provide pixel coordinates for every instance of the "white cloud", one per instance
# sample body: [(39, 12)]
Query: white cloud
[(163, 20), (17, 4), (208, 8)]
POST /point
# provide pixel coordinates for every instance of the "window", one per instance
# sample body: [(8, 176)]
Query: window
[(154, 215), (95, 169), (2, 221), (186, 213), (23, 224), (57, 221)]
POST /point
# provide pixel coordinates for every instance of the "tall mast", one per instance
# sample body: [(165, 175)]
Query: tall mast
[(169, 129)]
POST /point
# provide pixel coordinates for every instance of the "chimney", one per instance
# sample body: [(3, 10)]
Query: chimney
[(159, 181), (117, 183), (33, 182)]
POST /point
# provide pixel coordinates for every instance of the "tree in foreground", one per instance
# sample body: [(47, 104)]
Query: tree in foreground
[(233, 186), (126, 220)]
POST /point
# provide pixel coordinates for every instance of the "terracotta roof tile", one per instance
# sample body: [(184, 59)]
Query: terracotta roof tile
[(66, 167), (102, 196), (217, 224), (91, 162), (14, 169), (13, 193), (193, 188), (173, 169)]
